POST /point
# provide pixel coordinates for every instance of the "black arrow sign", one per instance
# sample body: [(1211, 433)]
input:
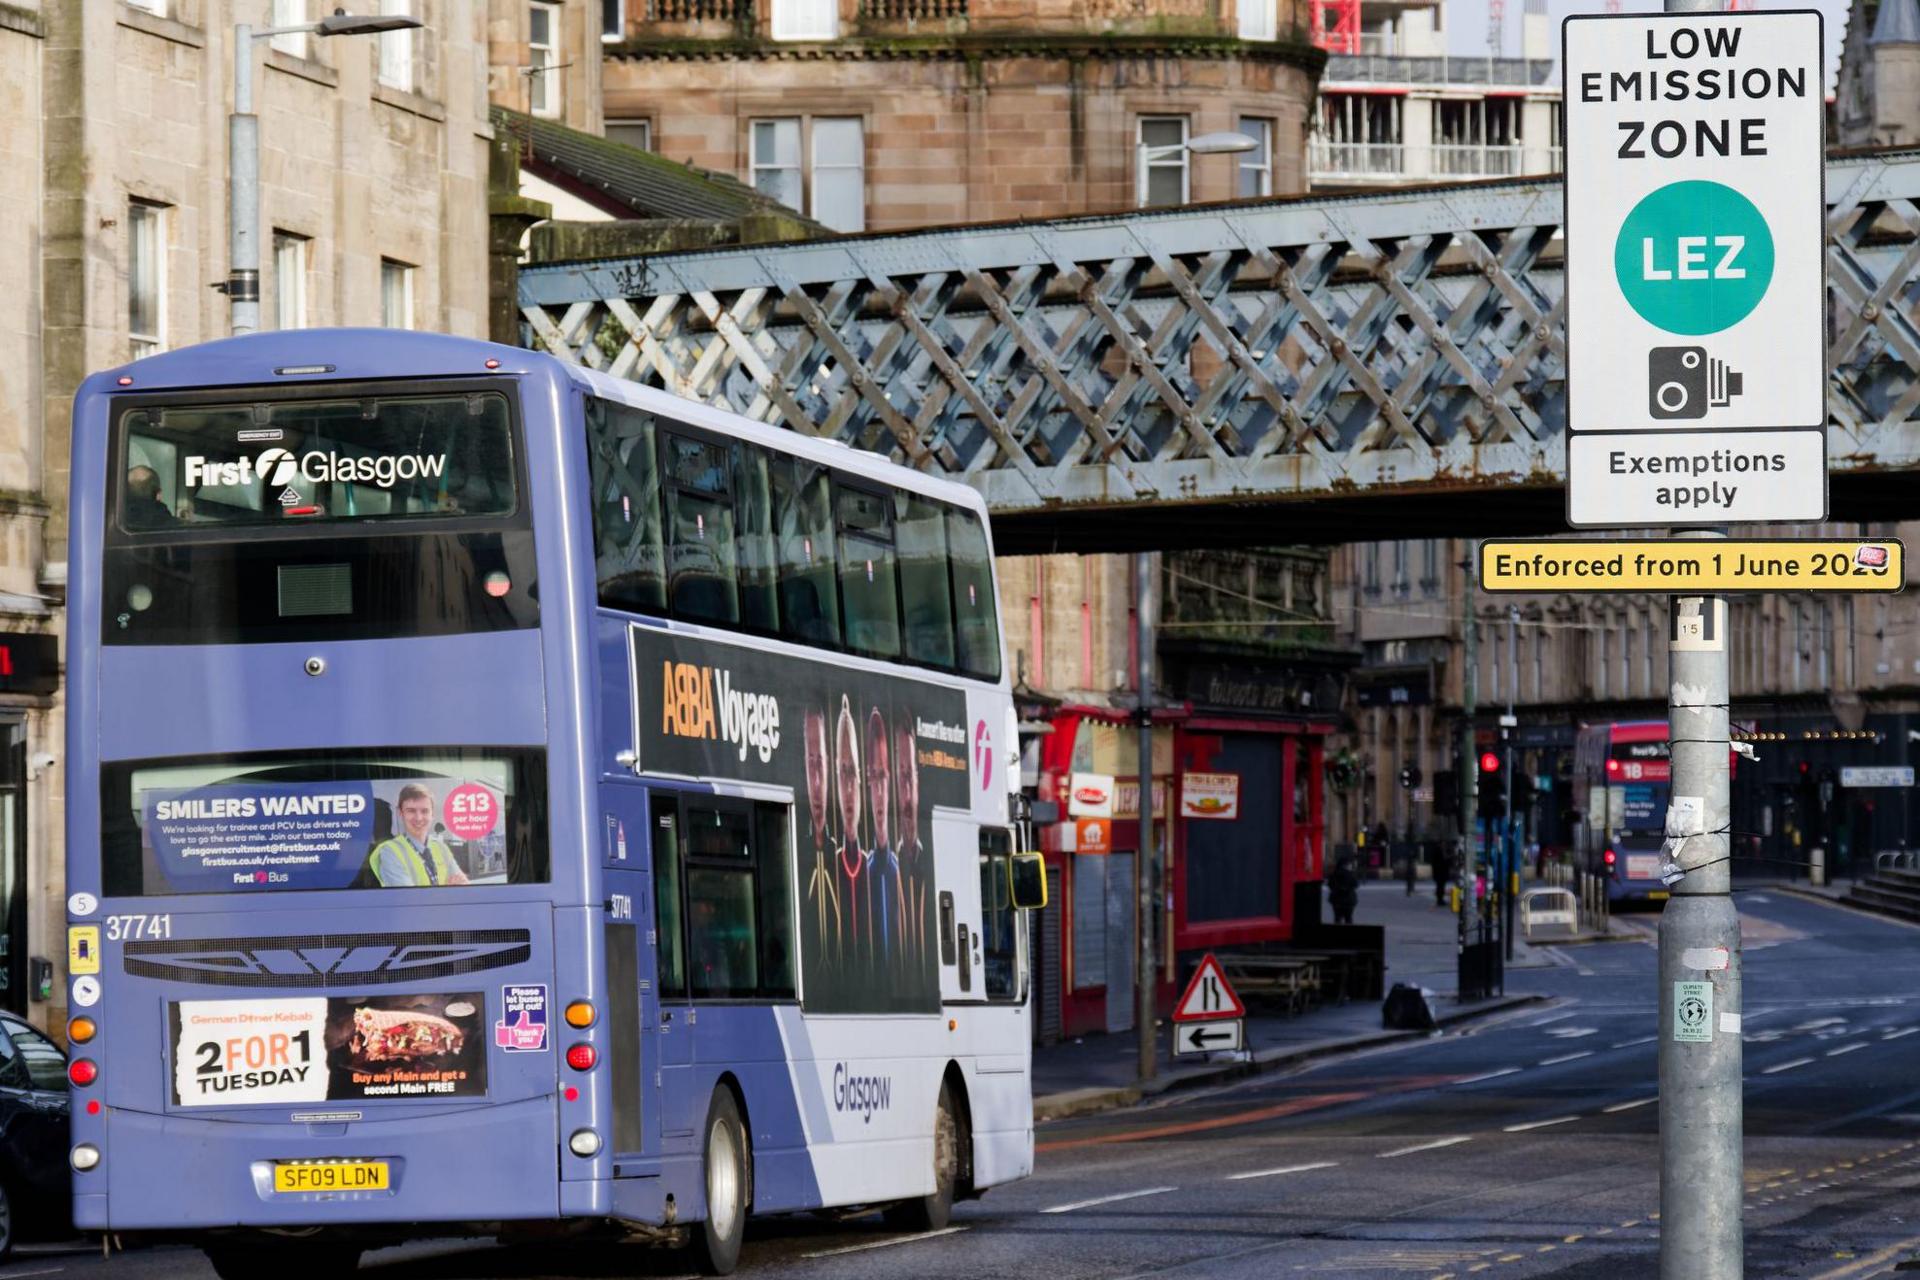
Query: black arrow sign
[(1200, 1037)]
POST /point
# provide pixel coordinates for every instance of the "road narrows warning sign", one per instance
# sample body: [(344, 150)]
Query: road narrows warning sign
[(1695, 276), (1208, 996)]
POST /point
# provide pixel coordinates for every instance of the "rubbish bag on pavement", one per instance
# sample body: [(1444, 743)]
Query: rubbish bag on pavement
[(1408, 1008)]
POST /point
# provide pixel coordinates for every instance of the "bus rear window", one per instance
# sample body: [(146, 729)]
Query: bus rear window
[(371, 458), (377, 818)]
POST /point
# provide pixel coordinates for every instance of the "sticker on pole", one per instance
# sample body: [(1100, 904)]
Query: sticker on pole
[(1693, 1012), (1696, 268), (1209, 996)]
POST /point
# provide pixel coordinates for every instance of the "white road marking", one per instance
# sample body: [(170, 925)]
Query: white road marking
[(1628, 1044), (1113, 1199), (1786, 1066), (1572, 1033), (1539, 1124), (873, 1244), (1628, 1106), (1491, 1075), (1566, 1057), (1274, 1173), (1846, 1048), (1758, 897), (1904, 1031), (1541, 1022), (1427, 1146)]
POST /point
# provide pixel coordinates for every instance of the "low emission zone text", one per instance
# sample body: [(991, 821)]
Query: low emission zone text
[(1681, 566)]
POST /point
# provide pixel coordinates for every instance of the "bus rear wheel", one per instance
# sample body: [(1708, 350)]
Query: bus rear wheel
[(289, 1261), (932, 1212), (716, 1242)]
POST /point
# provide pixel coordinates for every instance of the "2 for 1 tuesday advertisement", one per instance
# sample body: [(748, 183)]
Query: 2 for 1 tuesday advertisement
[(321, 1049)]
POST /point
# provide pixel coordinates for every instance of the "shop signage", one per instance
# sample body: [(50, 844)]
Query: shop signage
[(29, 663), (1210, 796), (1093, 835), (1090, 795), (1892, 775), (1126, 799)]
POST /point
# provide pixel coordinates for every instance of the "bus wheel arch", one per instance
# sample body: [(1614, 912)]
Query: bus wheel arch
[(956, 1082), (952, 1161), (726, 1167)]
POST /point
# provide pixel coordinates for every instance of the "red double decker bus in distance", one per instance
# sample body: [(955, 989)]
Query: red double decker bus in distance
[(1622, 777)]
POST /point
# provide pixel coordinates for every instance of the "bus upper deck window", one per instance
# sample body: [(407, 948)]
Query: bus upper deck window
[(629, 555), (702, 577), (869, 592), (809, 591)]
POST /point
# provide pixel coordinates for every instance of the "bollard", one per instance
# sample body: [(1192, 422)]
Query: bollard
[(1817, 867)]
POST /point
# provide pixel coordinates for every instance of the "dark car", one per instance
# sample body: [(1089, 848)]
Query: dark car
[(35, 1185)]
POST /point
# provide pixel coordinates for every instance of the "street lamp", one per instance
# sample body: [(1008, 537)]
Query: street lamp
[(1207, 144), (242, 285)]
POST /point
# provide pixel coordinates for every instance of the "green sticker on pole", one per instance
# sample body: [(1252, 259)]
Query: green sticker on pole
[(1694, 257), (1693, 1012)]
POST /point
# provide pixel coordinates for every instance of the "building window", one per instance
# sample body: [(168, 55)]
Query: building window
[(1257, 20), (839, 174), (290, 13), (543, 59), (613, 20), (146, 277), (396, 48), (805, 19), (396, 294), (634, 133), (1256, 166), (289, 280), (1162, 169), (1360, 133), (837, 182)]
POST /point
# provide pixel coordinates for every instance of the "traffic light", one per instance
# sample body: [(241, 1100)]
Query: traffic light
[(1523, 792), (1489, 762), (1492, 800), (1446, 794), (1409, 778)]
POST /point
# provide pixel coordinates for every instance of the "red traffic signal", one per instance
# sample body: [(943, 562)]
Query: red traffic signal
[(1489, 762)]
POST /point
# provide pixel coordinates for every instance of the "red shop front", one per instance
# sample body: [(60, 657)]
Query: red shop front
[(1239, 830)]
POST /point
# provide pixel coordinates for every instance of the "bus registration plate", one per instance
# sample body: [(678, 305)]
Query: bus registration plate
[(331, 1175)]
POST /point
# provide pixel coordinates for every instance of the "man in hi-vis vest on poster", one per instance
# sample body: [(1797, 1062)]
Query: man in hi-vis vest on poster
[(413, 858)]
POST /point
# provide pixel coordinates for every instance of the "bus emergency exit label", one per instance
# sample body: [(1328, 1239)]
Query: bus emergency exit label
[(1684, 566), (1695, 273)]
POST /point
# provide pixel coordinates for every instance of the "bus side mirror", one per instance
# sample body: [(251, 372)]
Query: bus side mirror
[(1029, 873)]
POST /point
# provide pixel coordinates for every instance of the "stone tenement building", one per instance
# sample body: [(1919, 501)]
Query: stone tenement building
[(113, 223), (880, 114)]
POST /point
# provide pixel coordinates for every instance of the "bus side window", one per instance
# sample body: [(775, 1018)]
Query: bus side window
[(669, 923), (773, 863), (999, 954), (926, 598), (976, 627), (869, 591), (759, 596), (701, 571), (803, 523), (628, 558)]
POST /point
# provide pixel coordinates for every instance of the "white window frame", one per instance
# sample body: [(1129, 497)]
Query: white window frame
[(291, 260), (1143, 166), (806, 19), (618, 10), (815, 166), (1258, 161), (405, 272), (755, 168), (158, 8), (1259, 19), (396, 69), (155, 217), (545, 87), (289, 13), (642, 123)]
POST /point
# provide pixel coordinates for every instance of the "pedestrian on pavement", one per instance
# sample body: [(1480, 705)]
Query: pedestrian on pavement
[(1413, 870), (1437, 861), (1343, 889)]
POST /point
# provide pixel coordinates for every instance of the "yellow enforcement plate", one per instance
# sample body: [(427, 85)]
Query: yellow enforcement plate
[(1658, 894), (332, 1175), (1677, 566)]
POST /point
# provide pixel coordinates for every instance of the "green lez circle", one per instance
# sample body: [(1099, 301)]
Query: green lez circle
[(1694, 257)]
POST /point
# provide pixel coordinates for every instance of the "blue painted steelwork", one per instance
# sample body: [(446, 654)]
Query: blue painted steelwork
[(464, 1162), (1312, 347)]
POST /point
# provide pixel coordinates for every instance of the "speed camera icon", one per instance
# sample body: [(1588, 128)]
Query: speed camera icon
[(1684, 382)]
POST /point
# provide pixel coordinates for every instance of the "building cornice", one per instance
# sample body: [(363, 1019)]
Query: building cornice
[(973, 48)]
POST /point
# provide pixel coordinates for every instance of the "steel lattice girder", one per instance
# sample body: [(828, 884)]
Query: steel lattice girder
[(1301, 348)]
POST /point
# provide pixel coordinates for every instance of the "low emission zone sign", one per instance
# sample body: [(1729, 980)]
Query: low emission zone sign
[(1692, 566), (1695, 279)]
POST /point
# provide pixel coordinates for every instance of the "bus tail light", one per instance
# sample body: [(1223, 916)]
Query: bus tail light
[(85, 1156), (580, 1014), (81, 1030), (581, 1057), (584, 1142), (83, 1071)]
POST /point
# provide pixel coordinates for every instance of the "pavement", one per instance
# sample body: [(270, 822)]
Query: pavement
[(1522, 1146), (1096, 1072)]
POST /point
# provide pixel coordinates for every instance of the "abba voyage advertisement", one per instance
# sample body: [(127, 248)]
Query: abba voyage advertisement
[(867, 756)]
